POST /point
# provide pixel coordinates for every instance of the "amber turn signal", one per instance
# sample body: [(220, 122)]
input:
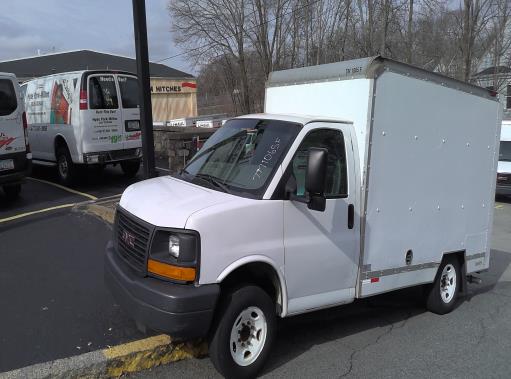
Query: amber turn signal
[(185, 274)]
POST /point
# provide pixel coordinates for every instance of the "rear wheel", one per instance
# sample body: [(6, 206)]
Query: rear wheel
[(243, 333), (442, 294), (66, 169), (12, 191), (130, 168)]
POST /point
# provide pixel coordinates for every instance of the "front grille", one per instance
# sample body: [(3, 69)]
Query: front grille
[(115, 155), (132, 240)]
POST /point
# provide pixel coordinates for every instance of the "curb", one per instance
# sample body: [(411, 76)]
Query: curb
[(114, 361), (102, 208)]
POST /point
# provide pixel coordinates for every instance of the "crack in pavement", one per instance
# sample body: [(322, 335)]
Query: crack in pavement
[(387, 332)]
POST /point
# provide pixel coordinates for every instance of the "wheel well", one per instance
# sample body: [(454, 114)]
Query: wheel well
[(257, 273), (59, 142)]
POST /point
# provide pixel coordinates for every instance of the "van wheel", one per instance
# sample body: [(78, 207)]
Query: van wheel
[(441, 295), (66, 169), (130, 168), (12, 191), (243, 333)]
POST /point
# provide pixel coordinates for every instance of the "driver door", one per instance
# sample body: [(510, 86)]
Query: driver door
[(321, 248)]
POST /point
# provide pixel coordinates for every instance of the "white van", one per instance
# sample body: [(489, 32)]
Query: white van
[(504, 169), (84, 118), (390, 185), (15, 157)]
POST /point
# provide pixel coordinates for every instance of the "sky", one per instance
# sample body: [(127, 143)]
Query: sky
[(29, 26)]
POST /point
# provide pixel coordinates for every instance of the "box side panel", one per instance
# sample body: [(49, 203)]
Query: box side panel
[(431, 180), (346, 99)]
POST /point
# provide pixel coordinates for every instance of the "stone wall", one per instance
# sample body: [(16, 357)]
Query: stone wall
[(178, 144)]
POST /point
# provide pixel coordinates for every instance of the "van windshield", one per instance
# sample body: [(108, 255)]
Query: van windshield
[(241, 157), (8, 102), (505, 151)]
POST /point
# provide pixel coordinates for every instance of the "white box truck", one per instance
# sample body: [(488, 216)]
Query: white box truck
[(504, 167), (364, 177), (84, 118), (15, 156)]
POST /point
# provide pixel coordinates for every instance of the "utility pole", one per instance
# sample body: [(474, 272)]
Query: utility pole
[(144, 88)]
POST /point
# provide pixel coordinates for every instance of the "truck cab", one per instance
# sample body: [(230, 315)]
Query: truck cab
[(233, 211)]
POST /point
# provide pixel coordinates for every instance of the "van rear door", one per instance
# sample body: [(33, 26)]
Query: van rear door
[(12, 139), (128, 89), (102, 121)]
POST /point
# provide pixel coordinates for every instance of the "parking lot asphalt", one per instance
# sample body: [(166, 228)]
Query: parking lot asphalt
[(53, 300), (54, 304), (392, 336)]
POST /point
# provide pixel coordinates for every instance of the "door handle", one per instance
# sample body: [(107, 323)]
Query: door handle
[(351, 216)]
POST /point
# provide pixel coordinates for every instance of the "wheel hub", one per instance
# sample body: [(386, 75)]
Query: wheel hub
[(248, 336), (448, 283)]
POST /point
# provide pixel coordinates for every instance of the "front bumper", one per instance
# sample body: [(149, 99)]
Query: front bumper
[(113, 156), (183, 311), (22, 169)]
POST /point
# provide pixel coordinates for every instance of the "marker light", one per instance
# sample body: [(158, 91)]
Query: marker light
[(185, 274)]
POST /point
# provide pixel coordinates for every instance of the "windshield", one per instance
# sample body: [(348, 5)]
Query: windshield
[(240, 157), (505, 151)]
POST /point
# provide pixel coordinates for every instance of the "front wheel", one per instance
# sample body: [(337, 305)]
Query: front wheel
[(130, 168), (441, 295), (244, 331)]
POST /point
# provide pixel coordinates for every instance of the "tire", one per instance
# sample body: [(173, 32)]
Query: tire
[(12, 191), (66, 169), (130, 168), (243, 311), (442, 294)]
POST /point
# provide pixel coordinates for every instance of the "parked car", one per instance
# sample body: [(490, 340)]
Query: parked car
[(504, 167), (389, 186), (84, 118), (15, 156)]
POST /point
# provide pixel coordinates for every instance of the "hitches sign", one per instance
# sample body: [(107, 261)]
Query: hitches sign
[(167, 86)]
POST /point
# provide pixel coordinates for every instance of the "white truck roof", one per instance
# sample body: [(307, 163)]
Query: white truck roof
[(300, 119)]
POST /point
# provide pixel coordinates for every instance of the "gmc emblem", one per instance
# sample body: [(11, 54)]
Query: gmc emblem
[(128, 238)]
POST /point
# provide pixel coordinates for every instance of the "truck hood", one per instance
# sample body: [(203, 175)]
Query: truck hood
[(169, 202), (504, 167)]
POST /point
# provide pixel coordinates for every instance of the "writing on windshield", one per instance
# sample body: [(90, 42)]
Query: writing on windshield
[(242, 155)]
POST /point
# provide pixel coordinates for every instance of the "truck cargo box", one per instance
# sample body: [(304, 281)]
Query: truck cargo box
[(427, 150)]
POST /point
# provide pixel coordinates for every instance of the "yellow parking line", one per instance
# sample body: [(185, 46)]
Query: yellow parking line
[(498, 206), (36, 212), (65, 188)]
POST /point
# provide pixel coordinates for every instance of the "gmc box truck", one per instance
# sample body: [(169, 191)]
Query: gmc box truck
[(362, 177)]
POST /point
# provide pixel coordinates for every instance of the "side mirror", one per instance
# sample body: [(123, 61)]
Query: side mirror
[(315, 178)]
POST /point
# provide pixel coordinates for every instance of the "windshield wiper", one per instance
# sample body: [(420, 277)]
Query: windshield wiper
[(213, 180)]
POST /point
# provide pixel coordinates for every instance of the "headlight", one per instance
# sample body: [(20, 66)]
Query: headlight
[(174, 254), (174, 246)]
